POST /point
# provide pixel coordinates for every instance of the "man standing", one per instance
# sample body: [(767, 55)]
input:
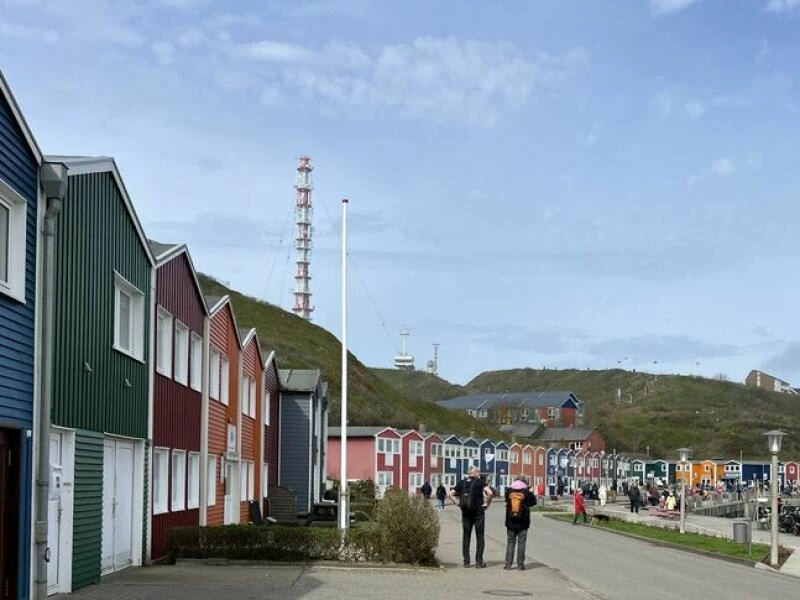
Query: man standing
[(426, 490), (473, 497)]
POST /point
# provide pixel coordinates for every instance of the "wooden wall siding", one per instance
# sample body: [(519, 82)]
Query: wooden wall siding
[(176, 292), (252, 448), (164, 522), (217, 437), (272, 431), (18, 169), (96, 236), (296, 445), (88, 508), (224, 338)]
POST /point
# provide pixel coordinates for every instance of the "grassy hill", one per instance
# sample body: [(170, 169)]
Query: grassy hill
[(303, 345), (664, 412), (419, 384)]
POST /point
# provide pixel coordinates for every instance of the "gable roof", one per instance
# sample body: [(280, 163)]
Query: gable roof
[(516, 399), (84, 165), (565, 434), (299, 380), (522, 430), (164, 253), (336, 432), (5, 90), (216, 304)]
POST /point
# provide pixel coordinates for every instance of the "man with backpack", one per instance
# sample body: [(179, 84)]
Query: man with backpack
[(519, 500), (473, 497)]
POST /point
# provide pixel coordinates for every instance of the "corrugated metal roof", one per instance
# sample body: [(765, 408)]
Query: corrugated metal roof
[(159, 248), (565, 434), (521, 399), (356, 431), (299, 380)]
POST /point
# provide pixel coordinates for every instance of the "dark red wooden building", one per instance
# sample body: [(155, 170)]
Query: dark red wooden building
[(180, 332), (272, 423)]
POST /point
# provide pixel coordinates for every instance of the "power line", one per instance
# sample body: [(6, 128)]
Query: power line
[(277, 251)]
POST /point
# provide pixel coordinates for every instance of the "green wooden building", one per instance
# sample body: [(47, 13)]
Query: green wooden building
[(102, 378)]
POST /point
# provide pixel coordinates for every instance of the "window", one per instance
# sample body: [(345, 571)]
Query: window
[(225, 382), (541, 459), (164, 343), (578, 445), (196, 364), (251, 480), (265, 480), (415, 449), (243, 481), (267, 407), (244, 401), (128, 318), (526, 458), (160, 480), (181, 353), (211, 483), (194, 480), (213, 375), (385, 478), (252, 397), (13, 240), (514, 457), (178, 480)]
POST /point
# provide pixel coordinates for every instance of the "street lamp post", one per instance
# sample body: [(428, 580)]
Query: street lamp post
[(774, 439), (683, 457)]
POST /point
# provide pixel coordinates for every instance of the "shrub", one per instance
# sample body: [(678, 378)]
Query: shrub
[(408, 528), (268, 542)]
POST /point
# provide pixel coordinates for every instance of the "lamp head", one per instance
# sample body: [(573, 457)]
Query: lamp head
[(774, 439), (683, 455)]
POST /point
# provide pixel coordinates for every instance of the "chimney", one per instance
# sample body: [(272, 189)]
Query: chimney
[(421, 428), (472, 433)]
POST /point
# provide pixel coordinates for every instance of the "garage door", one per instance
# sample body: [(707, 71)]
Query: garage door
[(118, 475)]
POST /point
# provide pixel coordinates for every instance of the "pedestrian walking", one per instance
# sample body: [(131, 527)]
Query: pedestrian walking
[(441, 494), (635, 496), (426, 490), (519, 501), (473, 497), (580, 507), (602, 494)]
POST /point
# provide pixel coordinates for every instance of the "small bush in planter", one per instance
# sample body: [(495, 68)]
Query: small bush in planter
[(408, 528)]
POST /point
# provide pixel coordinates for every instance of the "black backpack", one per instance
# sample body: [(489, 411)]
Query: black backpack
[(466, 500)]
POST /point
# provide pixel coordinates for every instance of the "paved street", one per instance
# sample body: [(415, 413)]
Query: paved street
[(565, 562)]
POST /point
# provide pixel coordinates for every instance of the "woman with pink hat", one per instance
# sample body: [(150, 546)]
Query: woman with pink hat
[(519, 500)]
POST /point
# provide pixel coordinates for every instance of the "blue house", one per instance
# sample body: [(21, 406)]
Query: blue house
[(453, 467), (470, 452), (552, 471), (26, 184), (501, 465), (755, 473)]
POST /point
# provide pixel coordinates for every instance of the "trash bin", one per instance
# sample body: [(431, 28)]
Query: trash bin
[(741, 532)]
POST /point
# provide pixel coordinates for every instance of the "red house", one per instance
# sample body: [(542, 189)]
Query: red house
[(224, 441), (251, 421), (527, 461), (373, 453), (539, 466), (581, 471), (791, 472), (595, 469), (515, 460), (434, 459), (272, 432), (412, 468), (180, 339)]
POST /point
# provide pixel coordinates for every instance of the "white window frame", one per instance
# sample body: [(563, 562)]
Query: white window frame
[(178, 499), (165, 340), (244, 405), (214, 374), (225, 381), (161, 462), (385, 478), (136, 318), (14, 283), (527, 458), (196, 362), (251, 480), (243, 471), (267, 407), (193, 481), (541, 459), (251, 397), (211, 481), (181, 353), (265, 480)]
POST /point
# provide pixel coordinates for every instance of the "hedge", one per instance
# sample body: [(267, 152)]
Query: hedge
[(274, 543)]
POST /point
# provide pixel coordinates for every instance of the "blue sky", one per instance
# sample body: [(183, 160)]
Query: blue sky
[(560, 184)]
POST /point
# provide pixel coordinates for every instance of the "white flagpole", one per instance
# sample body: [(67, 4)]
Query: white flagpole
[(344, 510)]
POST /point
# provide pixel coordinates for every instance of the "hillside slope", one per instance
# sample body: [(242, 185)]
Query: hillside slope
[(419, 384), (303, 345), (664, 412)]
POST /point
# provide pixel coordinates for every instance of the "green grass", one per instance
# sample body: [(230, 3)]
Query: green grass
[(715, 418), (300, 344), (721, 546)]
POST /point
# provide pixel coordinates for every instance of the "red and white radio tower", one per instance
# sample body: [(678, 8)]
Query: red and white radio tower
[(303, 210)]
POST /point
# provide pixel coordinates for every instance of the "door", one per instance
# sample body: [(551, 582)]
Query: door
[(10, 486), (231, 493), (54, 513), (118, 470)]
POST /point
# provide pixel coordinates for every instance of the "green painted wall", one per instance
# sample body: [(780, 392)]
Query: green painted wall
[(97, 236), (88, 523)]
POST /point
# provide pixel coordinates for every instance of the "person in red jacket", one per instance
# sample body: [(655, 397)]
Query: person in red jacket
[(580, 507)]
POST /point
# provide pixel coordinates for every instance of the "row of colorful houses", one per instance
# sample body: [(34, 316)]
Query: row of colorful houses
[(157, 409), (407, 458)]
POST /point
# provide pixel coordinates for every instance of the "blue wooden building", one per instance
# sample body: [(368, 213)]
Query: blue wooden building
[(453, 467), (501, 465)]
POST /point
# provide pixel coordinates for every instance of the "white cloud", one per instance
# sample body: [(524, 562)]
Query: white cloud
[(695, 109), (182, 4), (665, 7), (782, 6), (164, 51), (191, 38), (28, 33), (663, 102), (270, 51), (723, 167)]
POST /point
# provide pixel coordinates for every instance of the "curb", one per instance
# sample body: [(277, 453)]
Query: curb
[(320, 564)]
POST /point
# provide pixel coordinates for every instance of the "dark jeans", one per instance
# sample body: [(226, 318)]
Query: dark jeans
[(516, 537), (578, 514), (635, 506), (441, 503), (468, 521)]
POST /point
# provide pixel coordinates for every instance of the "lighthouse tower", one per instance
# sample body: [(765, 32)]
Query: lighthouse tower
[(303, 211)]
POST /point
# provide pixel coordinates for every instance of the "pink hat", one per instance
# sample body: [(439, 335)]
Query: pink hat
[(519, 485)]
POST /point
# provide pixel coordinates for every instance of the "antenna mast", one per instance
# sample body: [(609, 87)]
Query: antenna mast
[(303, 211)]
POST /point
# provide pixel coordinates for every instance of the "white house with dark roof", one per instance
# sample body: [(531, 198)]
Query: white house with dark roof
[(554, 409)]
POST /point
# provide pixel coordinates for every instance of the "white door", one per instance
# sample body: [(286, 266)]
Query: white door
[(231, 492), (54, 519), (118, 464)]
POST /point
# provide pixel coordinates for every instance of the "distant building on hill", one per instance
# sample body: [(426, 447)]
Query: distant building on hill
[(764, 381), (574, 438), (553, 409)]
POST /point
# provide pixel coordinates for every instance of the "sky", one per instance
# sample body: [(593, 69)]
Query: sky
[(565, 184)]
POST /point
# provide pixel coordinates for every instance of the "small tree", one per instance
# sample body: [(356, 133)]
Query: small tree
[(408, 528)]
